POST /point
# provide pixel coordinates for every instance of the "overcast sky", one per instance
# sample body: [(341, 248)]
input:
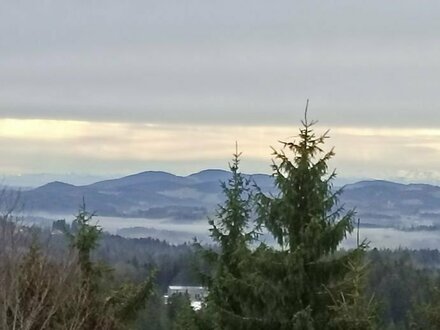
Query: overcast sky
[(116, 86)]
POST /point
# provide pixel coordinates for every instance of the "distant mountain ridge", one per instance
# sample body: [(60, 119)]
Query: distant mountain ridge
[(146, 194), (162, 195)]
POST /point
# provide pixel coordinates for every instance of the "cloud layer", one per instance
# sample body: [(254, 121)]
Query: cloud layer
[(250, 63), (118, 87)]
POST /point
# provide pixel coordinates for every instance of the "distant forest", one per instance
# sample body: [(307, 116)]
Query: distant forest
[(403, 282)]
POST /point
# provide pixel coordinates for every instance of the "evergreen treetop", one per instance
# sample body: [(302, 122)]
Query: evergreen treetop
[(305, 213), (308, 224), (229, 286)]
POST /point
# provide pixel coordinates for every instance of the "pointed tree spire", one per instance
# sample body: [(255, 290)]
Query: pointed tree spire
[(308, 224)]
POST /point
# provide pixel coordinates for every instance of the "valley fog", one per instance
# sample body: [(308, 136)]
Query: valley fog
[(177, 233)]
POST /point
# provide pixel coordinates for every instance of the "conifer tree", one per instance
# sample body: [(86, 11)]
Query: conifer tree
[(352, 309), (84, 238), (229, 287), (104, 307), (308, 224)]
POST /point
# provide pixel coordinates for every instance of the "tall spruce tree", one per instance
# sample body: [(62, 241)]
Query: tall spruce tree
[(308, 224), (229, 288)]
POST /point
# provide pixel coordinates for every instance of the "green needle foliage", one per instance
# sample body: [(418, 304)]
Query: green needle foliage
[(104, 307), (292, 285), (352, 309), (427, 315), (84, 238), (229, 287), (308, 224)]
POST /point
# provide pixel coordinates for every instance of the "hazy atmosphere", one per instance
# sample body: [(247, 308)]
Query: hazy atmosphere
[(169, 165), (173, 85)]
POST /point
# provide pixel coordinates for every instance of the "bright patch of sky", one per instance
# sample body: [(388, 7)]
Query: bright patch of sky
[(50, 146), (117, 87)]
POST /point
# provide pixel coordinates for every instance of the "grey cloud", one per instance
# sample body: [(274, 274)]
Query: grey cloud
[(252, 62)]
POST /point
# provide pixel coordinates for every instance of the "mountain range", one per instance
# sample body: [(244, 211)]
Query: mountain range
[(161, 195)]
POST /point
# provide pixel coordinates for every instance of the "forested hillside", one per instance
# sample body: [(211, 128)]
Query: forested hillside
[(177, 199)]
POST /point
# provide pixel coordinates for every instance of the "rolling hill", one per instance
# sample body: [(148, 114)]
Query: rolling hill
[(189, 198)]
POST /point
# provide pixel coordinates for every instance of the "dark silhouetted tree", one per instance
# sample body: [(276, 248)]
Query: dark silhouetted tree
[(308, 224)]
